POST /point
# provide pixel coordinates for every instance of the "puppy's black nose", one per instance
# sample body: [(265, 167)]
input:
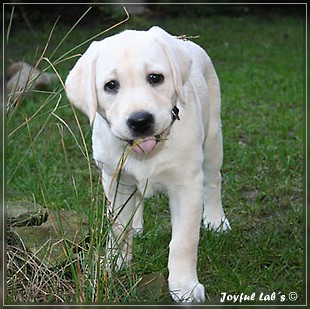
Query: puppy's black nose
[(141, 123)]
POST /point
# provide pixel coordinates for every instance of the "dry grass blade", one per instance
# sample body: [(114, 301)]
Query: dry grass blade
[(60, 59), (30, 280)]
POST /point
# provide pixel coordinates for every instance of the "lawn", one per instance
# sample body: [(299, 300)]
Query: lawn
[(260, 63)]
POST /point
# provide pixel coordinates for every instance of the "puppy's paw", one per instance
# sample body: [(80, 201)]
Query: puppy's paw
[(138, 230), (117, 259), (219, 226), (191, 293), (137, 225)]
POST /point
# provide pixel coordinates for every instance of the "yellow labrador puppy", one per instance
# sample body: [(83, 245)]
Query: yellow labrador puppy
[(155, 98)]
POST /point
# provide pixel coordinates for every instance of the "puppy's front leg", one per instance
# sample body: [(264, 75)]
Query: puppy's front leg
[(121, 211), (186, 213)]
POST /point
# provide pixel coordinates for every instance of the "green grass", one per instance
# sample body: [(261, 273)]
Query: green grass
[(260, 65)]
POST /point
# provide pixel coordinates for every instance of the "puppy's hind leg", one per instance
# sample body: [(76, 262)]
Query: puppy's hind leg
[(213, 214), (137, 222)]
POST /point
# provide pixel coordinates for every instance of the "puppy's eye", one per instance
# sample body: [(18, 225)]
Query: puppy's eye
[(155, 79), (112, 86)]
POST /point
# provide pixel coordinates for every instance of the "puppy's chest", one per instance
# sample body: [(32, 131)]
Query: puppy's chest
[(149, 177), (150, 187)]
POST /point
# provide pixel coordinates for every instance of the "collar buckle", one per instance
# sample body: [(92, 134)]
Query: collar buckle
[(175, 114)]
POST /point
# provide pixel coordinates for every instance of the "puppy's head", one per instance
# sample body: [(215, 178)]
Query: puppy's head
[(133, 80)]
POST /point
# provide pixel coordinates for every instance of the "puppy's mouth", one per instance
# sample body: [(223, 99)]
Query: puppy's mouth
[(146, 145)]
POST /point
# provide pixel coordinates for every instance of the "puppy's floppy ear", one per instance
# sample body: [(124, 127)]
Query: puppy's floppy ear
[(179, 59), (81, 82)]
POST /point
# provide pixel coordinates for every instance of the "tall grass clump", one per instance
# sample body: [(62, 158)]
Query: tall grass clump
[(45, 141)]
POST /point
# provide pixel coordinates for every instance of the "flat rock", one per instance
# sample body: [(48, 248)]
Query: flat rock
[(25, 213), (48, 234), (153, 287)]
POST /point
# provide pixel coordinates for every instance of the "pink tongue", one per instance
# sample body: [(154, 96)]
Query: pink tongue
[(145, 146)]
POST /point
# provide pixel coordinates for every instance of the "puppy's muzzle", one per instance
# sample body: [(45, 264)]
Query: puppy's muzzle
[(141, 123), (142, 127)]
